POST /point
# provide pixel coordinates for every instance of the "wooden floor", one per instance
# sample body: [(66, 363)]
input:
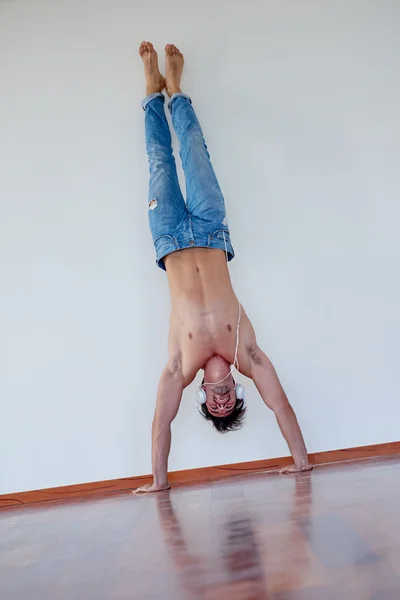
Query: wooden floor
[(334, 533)]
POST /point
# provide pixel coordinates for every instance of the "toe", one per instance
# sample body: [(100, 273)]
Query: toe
[(149, 46)]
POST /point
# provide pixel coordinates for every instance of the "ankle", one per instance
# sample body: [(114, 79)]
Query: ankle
[(173, 89), (152, 89)]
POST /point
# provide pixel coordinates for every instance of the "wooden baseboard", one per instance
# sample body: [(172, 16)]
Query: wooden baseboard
[(202, 474)]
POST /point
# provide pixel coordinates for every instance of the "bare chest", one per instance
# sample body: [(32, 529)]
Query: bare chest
[(197, 337)]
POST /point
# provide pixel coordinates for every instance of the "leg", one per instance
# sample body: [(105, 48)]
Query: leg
[(165, 195), (204, 196), (166, 204)]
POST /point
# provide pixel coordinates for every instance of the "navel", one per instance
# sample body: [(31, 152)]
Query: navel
[(190, 335), (229, 327)]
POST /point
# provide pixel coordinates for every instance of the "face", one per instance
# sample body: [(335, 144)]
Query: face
[(221, 398)]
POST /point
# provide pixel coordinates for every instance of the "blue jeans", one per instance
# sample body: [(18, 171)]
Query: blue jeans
[(175, 225)]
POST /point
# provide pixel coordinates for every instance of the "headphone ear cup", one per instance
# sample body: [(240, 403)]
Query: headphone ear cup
[(201, 396), (240, 394)]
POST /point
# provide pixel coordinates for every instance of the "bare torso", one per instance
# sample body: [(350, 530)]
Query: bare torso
[(204, 311), (203, 324)]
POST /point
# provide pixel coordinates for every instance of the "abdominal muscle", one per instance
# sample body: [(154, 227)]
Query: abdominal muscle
[(204, 310)]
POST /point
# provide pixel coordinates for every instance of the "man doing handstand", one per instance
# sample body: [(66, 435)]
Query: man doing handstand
[(209, 329)]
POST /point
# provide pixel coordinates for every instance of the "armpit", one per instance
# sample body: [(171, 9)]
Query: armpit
[(175, 363), (254, 354)]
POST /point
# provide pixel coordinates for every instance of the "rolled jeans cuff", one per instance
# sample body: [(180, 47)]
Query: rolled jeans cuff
[(179, 95), (150, 98)]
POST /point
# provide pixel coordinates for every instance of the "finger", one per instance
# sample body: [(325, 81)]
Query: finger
[(286, 471)]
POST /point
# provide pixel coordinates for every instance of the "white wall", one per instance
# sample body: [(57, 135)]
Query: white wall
[(299, 102)]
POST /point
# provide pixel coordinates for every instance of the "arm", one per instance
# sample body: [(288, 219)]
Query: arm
[(169, 397), (271, 391)]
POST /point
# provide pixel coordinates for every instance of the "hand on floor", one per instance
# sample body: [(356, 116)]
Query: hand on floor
[(150, 488), (296, 469)]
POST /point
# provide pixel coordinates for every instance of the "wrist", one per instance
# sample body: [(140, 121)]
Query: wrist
[(160, 481), (160, 487), (301, 461)]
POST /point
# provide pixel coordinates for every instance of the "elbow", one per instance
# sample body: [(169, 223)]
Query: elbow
[(160, 425), (282, 408), (162, 420)]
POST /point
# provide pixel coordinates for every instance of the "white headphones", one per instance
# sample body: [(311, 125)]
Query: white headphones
[(201, 396)]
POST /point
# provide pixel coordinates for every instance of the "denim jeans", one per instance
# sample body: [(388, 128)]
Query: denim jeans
[(201, 221)]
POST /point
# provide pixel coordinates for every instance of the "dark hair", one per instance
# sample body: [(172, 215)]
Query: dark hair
[(231, 422)]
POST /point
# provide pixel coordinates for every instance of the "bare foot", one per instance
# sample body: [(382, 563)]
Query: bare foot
[(173, 69), (155, 82)]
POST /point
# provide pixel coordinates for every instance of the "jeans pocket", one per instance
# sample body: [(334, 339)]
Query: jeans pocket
[(165, 240), (221, 234)]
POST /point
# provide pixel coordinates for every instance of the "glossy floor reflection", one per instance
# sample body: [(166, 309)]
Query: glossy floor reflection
[(327, 535)]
